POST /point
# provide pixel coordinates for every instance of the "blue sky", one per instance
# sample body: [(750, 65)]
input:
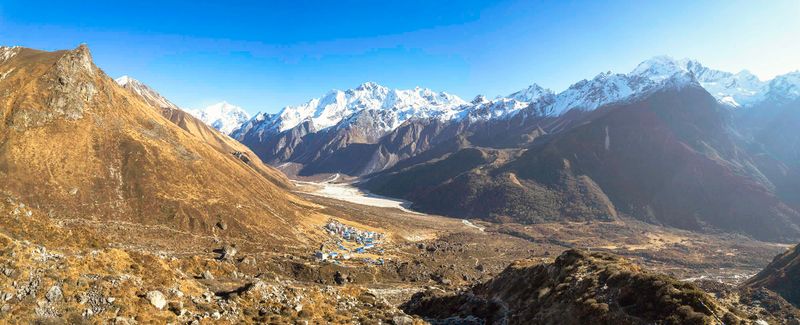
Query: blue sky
[(263, 55)]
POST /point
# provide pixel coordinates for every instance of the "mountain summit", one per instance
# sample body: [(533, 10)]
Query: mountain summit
[(222, 116)]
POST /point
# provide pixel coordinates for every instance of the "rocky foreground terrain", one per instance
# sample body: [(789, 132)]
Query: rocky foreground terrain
[(60, 271)]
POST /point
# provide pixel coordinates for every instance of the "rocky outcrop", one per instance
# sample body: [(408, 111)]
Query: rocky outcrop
[(782, 275), (70, 89), (577, 288)]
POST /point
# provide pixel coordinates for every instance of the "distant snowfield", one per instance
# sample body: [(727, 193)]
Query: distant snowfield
[(349, 193)]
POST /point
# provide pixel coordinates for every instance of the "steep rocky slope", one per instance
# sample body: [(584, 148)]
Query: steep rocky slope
[(782, 275), (75, 144), (202, 130), (577, 288)]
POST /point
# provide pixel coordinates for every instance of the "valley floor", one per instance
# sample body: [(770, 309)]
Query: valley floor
[(686, 255)]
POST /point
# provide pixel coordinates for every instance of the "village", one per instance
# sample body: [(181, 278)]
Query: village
[(351, 244)]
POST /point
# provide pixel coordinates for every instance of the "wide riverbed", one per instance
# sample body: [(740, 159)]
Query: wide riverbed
[(350, 193)]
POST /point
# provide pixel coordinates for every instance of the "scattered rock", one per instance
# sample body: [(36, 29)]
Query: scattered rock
[(124, 321), (402, 320), (222, 225), (177, 308), (228, 252), (339, 278), (207, 275), (157, 299), (249, 260), (54, 294), (177, 293)]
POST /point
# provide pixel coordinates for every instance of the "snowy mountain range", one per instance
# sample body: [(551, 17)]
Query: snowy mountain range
[(390, 108), (337, 106), (734, 89), (222, 116)]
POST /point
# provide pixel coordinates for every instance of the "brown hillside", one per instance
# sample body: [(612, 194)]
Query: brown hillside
[(75, 144), (213, 137)]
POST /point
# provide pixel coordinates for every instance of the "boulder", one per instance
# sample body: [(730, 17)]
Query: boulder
[(157, 299)]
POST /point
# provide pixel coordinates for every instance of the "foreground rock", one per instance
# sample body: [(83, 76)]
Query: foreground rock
[(578, 288)]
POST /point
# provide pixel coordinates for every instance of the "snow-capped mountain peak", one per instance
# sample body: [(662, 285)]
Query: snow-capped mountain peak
[(660, 68), (603, 89), (222, 116), (124, 80), (784, 87), (479, 99), (530, 94), (739, 89)]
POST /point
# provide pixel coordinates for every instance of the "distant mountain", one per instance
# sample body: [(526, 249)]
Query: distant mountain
[(670, 157), (222, 116), (339, 106), (671, 142), (314, 132)]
